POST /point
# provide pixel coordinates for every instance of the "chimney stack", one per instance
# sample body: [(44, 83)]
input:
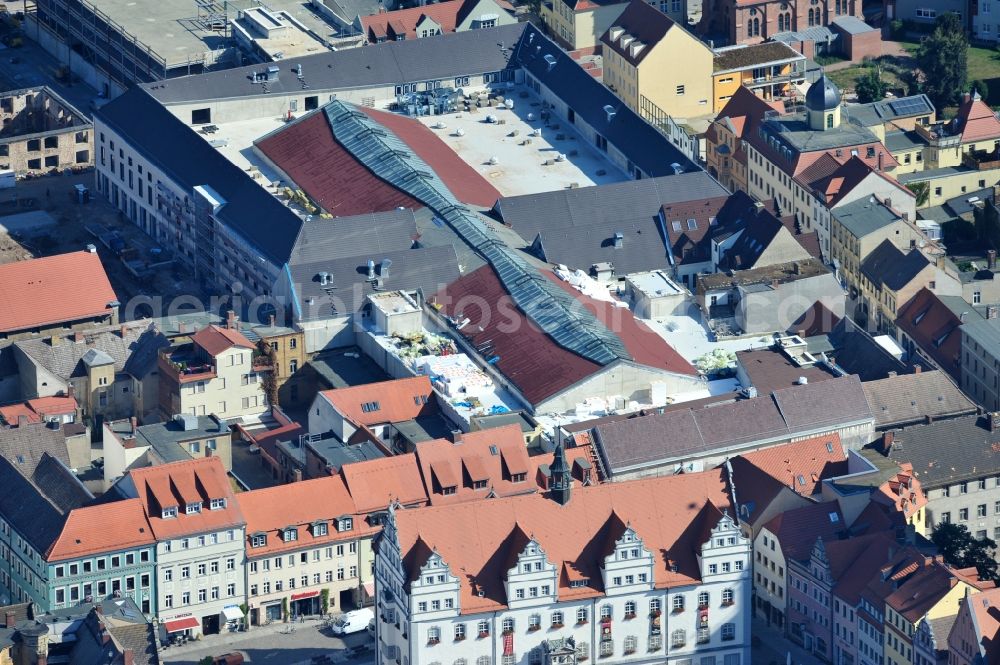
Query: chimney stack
[(991, 312), (134, 423), (888, 438), (123, 330), (128, 658), (9, 619), (70, 391), (993, 421), (22, 421), (991, 259), (78, 336), (182, 327), (209, 452), (918, 368), (231, 319), (456, 436), (270, 320), (297, 476)]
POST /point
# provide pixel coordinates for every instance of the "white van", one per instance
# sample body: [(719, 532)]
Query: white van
[(352, 622)]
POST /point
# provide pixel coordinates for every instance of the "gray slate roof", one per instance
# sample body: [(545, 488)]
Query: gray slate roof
[(864, 216), (25, 446), (910, 398), (250, 210), (57, 482), (685, 434), (887, 265), (135, 353), (644, 145), (432, 58), (857, 352), (34, 517), (883, 111), (342, 237), (428, 268), (949, 451), (986, 333), (605, 207)]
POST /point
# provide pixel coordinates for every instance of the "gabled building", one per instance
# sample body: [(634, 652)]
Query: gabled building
[(726, 153), (974, 635), (110, 370), (740, 22), (638, 48), (859, 227), (573, 571), (928, 328), (45, 296), (200, 533), (888, 279), (918, 397), (577, 25), (980, 351), (784, 146), (433, 19), (216, 371), (375, 410), (308, 551)]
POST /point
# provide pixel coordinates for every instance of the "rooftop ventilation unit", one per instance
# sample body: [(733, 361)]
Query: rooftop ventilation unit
[(619, 239), (678, 169), (272, 73), (610, 111), (550, 60), (383, 270), (324, 278)]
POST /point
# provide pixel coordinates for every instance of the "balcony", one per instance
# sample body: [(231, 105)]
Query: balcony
[(184, 366), (982, 160)]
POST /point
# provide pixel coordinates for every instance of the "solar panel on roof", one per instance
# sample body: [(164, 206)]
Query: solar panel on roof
[(908, 106)]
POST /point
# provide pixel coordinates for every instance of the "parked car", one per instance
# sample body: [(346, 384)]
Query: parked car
[(234, 658), (352, 622), (371, 629)]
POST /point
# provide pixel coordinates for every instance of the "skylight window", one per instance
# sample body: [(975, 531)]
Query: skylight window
[(834, 518), (494, 451), (370, 407), (676, 225), (829, 447), (692, 224), (802, 479)]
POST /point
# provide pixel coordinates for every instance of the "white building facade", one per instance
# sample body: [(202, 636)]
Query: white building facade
[(420, 618)]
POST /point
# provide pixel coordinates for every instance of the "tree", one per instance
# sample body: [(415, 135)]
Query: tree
[(269, 378), (961, 550), (870, 86), (943, 59), (921, 190)]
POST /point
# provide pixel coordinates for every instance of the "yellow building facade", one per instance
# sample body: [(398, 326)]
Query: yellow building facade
[(651, 61)]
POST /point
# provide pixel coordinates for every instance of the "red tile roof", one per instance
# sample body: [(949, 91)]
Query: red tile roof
[(398, 400), (309, 154), (480, 540), (445, 14), (743, 113), (986, 607), (977, 120), (269, 511), (35, 409), (817, 320), (374, 484), (533, 361), (835, 180), (54, 289), (802, 465), (108, 527), (923, 590), (493, 455), (798, 529), (215, 339), (934, 327), (179, 483)]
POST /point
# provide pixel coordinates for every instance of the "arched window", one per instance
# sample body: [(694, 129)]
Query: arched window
[(750, 28), (756, 27), (829, 121), (781, 23)]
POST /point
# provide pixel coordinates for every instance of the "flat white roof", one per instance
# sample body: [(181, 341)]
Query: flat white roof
[(654, 284), (522, 169)]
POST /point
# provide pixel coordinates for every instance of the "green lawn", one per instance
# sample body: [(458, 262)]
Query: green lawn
[(845, 78)]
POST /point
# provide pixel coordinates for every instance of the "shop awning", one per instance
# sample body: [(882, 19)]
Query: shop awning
[(369, 589), (231, 613), (304, 595), (177, 625)]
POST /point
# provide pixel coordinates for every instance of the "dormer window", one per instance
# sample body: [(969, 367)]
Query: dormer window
[(577, 584), (193, 508), (345, 523), (479, 485), (319, 529), (169, 512), (448, 490), (258, 540), (518, 477), (290, 534), (217, 504)]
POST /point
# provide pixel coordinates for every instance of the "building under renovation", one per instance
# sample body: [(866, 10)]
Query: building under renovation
[(43, 132)]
